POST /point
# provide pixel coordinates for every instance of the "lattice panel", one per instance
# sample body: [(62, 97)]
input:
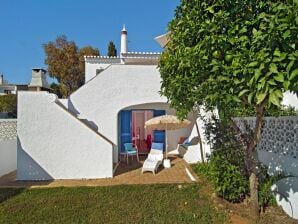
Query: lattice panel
[(8, 129), (279, 135)]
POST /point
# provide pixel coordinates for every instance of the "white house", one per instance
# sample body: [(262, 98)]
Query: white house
[(83, 136)]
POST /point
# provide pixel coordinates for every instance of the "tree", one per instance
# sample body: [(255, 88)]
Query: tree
[(8, 104), (66, 63), (56, 89), (227, 54), (112, 51)]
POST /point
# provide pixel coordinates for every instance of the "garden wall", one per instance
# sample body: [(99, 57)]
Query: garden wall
[(54, 144), (278, 147), (8, 146)]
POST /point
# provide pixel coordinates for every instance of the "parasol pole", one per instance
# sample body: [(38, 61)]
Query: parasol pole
[(166, 141)]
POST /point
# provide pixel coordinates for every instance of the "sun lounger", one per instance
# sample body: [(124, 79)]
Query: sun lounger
[(154, 159)]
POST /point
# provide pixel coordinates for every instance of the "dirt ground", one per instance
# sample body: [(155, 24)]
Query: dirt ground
[(239, 212)]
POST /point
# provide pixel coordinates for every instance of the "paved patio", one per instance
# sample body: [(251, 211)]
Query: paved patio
[(125, 174)]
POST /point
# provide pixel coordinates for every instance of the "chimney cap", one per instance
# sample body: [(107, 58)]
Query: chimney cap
[(37, 69), (123, 31)]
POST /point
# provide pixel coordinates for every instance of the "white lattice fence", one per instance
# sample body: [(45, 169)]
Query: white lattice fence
[(278, 147), (8, 129), (279, 134)]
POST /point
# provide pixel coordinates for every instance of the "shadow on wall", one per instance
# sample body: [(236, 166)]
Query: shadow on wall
[(72, 108), (286, 194), (286, 189), (74, 111), (28, 168)]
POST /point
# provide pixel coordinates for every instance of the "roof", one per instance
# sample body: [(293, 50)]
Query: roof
[(146, 58), (162, 39)]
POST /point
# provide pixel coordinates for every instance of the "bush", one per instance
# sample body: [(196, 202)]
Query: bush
[(8, 104), (227, 168), (228, 179), (202, 169)]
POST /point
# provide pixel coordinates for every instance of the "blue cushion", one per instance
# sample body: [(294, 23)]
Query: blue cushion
[(129, 147), (156, 145), (186, 142)]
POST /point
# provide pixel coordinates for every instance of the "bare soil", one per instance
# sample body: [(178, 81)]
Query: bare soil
[(239, 212)]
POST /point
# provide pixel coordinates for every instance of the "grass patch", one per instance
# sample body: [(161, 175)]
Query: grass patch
[(114, 204)]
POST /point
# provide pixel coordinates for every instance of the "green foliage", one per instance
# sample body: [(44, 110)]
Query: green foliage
[(272, 111), (66, 63), (8, 104), (228, 179), (203, 169), (56, 89), (226, 168), (112, 52), (225, 52)]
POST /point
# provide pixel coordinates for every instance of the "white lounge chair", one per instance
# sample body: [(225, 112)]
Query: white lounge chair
[(183, 147), (154, 159)]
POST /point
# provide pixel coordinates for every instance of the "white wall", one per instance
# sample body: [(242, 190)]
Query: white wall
[(118, 87), (279, 163), (290, 99), (124, 87), (8, 156), (278, 144), (286, 194), (90, 68), (8, 146), (53, 144)]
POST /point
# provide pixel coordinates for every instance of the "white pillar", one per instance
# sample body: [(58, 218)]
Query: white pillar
[(1, 80), (123, 43)]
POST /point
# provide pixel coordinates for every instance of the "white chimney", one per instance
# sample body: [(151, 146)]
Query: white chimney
[(1, 80), (38, 80), (123, 43)]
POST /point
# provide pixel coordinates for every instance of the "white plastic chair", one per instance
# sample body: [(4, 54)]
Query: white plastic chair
[(154, 159)]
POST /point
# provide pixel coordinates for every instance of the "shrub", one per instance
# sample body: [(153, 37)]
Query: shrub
[(228, 179), (203, 169), (227, 168), (8, 104)]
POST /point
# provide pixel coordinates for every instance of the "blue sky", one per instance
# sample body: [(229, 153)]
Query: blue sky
[(26, 25)]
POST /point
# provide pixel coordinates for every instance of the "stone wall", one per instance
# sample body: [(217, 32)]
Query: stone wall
[(8, 129), (8, 145)]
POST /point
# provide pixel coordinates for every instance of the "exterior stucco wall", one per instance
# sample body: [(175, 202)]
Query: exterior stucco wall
[(53, 144), (116, 88), (290, 99), (90, 69), (8, 146), (278, 146), (125, 87)]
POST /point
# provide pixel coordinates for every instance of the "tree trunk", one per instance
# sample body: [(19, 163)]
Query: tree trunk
[(251, 162), (200, 139), (254, 199)]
